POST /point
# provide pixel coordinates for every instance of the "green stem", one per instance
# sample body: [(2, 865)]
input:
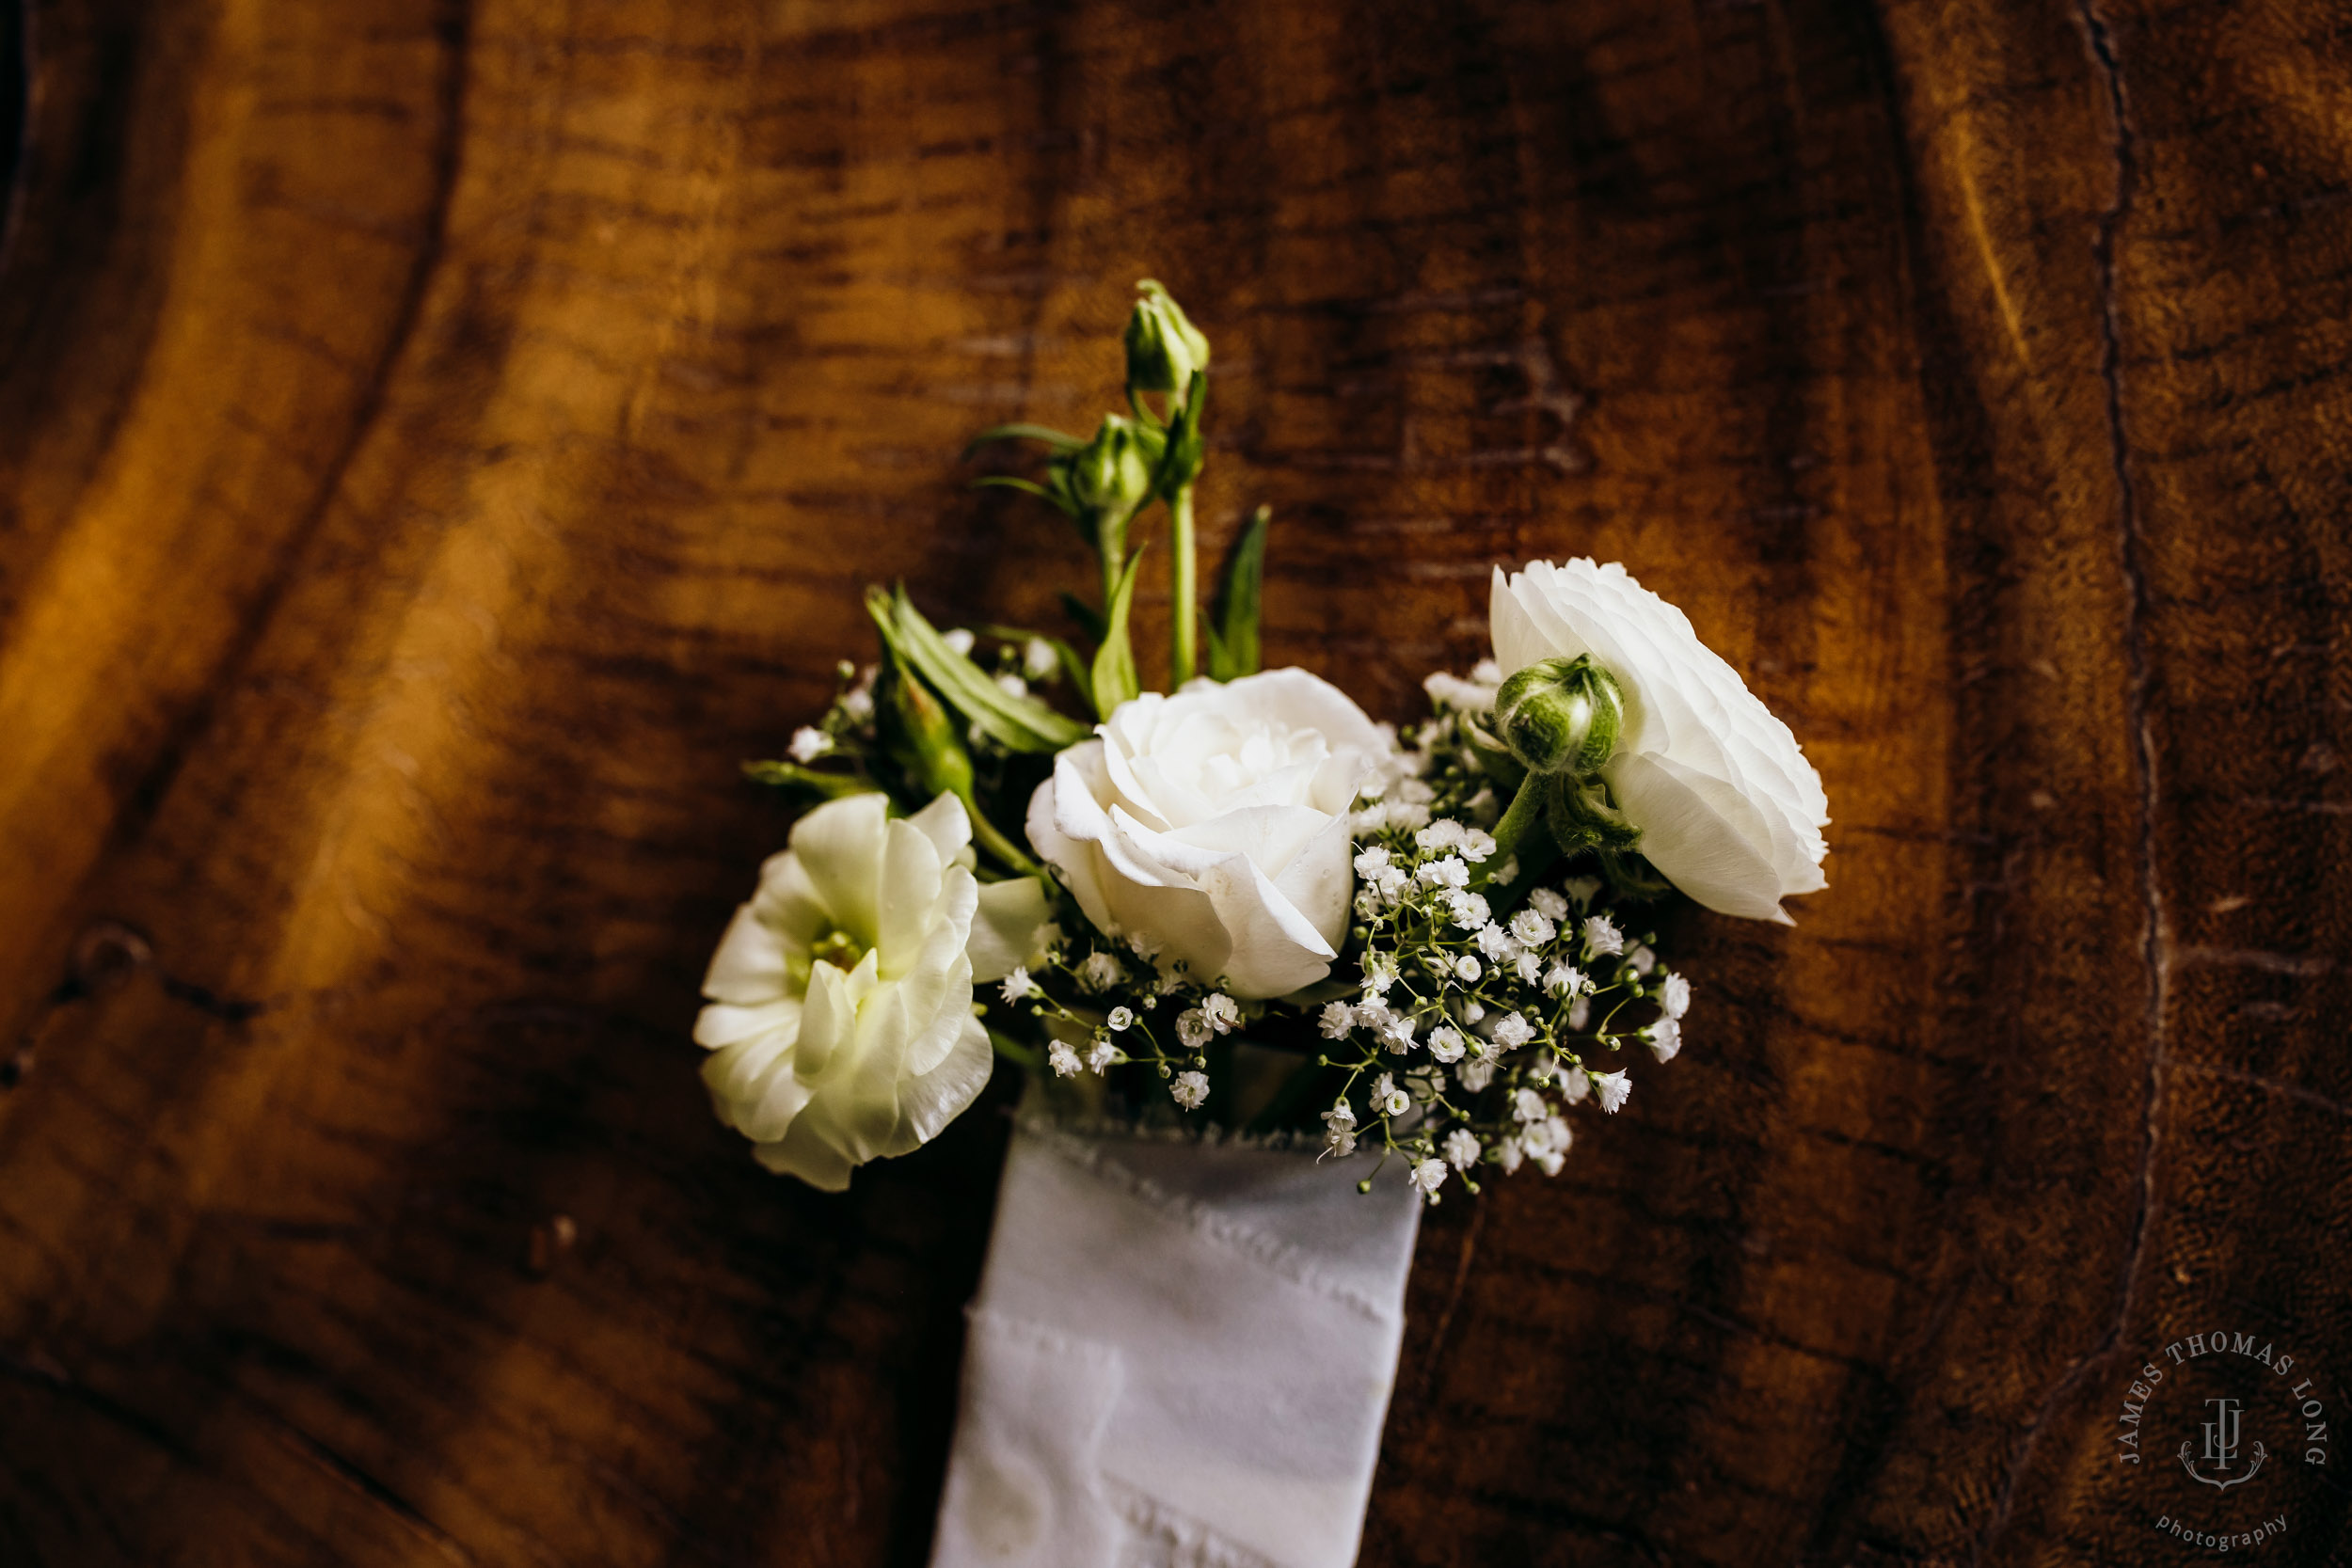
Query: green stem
[(1110, 549), (985, 834), (1014, 1052), (1511, 833), (1183, 655)]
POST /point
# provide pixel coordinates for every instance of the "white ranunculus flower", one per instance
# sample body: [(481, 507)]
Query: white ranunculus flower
[(1215, 823), (840, 1025), (1729, 810)]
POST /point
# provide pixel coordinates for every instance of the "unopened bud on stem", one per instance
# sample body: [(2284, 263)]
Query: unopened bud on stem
[(1561, 715), (1164, 348)]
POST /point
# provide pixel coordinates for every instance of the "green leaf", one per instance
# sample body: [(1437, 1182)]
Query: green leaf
[(1016, 723), (1115, 679), (1233, 648), (1052, 437), (791, 775), (1008, 482)]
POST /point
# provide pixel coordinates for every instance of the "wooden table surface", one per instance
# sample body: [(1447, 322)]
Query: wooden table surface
[(439, 438)]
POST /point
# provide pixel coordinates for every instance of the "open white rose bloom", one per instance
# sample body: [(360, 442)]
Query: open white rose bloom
[(1214, 825), (1729, 810), (1273, 979)]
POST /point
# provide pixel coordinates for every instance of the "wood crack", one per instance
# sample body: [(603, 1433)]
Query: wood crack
[(2155, 933)]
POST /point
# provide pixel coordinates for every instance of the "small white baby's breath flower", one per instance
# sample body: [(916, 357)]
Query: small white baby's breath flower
[(1527, 966), (1397, 1033), (1486, 673), (1100, 972), (1664, 1037), (960, 638), (1527, 1105), (1429, 1174), (1512, 1031), (1469, 968), (1474, 1075), (1496, 943), (1471, 1012), (1372, 861), (1037, 658), (1462, 1149), (1122, 1018), (1013, 685), (1602, 936), (1612, 1089), (809, 743), (1510, 1153), (1564, 980), (1580, 1013), (1444, 833), (1222, 1011), (1505, 874), (1190, 1089), (1641, 960), (1390, 1100), (1675, 996), (1549, 903), (1193, 1028), (1105, 1056), (1552, 1147), (1448, 871), (1379, 973), (1468, 910), (1018, 986), (1062, 1058), (1531, 928), (1337, 1020), (1581, 888), (1445, 1043), (1575, 1085), (1478, 845)]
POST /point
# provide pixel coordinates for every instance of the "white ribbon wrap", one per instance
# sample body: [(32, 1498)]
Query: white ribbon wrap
[(1180, 1357)]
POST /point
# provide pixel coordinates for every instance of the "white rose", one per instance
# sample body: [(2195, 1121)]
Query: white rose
[(1729, 810), (840, 1023), (1216, 823)]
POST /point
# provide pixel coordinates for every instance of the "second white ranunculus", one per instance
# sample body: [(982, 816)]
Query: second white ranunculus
[(840, 1021), (1730, 811), (1213, 824)]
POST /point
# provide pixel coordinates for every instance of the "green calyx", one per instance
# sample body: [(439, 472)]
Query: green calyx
[(1561, 716)]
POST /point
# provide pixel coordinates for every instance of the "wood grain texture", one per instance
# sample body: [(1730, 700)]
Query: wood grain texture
[(439, 437)]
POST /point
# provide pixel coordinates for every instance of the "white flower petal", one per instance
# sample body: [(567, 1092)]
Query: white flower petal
[(1691, 832), (1004, 929), (840, 845)]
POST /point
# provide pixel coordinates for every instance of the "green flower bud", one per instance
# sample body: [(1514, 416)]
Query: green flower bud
[(920, 735), (1112, 474), (1164, 348), (1561, 715)]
